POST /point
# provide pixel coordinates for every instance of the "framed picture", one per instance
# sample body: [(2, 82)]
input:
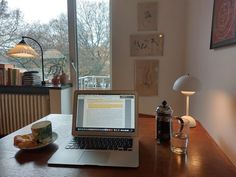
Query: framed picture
[(223, 32), (146, 44), (147, 16), (146, 77)]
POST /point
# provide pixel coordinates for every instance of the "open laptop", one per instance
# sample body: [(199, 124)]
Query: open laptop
[(104, 130)]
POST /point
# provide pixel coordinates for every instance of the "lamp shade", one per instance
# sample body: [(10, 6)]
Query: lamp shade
[(187, 83), (22, 50)]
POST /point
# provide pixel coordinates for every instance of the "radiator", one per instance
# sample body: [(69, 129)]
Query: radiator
[(19, 110)]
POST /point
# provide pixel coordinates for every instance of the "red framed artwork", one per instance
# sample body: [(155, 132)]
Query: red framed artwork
[(223, 32)]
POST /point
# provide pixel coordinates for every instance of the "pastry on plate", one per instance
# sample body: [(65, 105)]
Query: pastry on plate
[(25, 141)]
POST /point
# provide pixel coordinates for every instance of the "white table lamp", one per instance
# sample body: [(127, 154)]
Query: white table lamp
[(187, 85)]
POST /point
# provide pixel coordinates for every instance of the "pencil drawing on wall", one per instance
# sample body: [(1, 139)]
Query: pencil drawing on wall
[(146, 44), (146, 77), (147, 16)]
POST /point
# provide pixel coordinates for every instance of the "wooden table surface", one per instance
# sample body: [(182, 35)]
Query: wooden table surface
[(204, 158)]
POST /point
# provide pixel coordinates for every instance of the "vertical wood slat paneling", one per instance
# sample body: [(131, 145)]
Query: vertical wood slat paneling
[(19, 110)]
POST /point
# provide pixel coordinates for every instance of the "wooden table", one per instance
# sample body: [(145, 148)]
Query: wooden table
[(204, 158)]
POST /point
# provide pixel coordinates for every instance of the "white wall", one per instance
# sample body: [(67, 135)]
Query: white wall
[(215, 104), (171, 22), (186, 50)]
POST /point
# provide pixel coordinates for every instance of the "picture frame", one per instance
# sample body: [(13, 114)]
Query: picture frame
[(147, 16), (146, 77), (147, 44), (223, 30)]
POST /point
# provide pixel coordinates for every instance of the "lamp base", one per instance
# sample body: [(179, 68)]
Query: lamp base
[(192, 122)]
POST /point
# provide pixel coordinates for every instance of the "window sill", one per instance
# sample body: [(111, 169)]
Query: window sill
[(21, 89)]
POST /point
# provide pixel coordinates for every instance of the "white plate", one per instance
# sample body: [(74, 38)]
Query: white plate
[(54, 138)]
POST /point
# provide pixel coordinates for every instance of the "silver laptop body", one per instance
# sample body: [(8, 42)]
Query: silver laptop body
[(105, 114)]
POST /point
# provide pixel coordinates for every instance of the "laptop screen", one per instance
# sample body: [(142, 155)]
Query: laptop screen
[(105, 113)]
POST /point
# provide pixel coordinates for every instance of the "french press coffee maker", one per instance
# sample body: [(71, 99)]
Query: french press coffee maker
[(163, 116)]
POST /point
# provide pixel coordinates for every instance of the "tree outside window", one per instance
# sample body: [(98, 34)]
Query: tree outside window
[(93, 26)]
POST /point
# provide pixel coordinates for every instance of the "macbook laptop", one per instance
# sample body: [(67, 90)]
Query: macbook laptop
[(104, 130)]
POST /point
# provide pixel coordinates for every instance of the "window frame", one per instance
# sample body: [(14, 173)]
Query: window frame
[(73, 46)]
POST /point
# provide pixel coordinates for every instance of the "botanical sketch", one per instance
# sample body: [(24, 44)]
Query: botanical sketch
[(146, 44), (146, 77), (147, 16)]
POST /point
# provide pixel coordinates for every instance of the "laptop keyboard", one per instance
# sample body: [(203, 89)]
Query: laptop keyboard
[(101, 143)]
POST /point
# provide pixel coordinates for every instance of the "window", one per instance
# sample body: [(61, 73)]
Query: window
[(82, 40), (93, 37), (38, 20)]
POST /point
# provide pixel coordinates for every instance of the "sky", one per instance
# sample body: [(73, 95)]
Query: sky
[(39, 10)]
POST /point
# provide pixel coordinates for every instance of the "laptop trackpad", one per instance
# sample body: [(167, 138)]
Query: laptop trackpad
[(94, 157)]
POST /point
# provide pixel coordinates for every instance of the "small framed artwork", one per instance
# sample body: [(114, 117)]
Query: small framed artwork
[(147, 16), (146, 44), (223, 32), (146, 77)]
